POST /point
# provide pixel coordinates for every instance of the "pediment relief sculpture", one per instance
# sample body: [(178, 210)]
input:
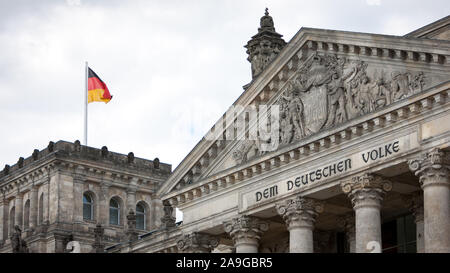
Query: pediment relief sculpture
[(328, 90)]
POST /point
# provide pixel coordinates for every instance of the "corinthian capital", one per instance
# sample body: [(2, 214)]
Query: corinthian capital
[(367, 189), (197, 243), (432, 167), (246, 227), (299, 211)]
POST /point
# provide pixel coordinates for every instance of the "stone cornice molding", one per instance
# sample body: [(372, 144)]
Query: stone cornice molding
[(366, 190), (299, 211), (432, 168), (246, 228)]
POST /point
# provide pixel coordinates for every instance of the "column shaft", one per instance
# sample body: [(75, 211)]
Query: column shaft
[(366, 193), (437, 218), (301, 240), (368, 228), (433, 170)]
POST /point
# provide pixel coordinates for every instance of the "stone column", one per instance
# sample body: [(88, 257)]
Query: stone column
[(18, 204), (300, 214), (433, 172), (347, 223), (415, 205), (33, 207), (197, 243), (366, 193), (246, 231)]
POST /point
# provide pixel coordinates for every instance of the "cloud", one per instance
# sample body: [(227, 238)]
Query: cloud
[(174, 67)]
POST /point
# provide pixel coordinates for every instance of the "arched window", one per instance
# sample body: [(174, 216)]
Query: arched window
[(140, 216), (41, 209), (88, 207), (26, 215), (114, 212)]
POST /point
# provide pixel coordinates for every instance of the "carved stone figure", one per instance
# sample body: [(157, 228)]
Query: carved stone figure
[(328, 90), (17, 243), (167, 221)]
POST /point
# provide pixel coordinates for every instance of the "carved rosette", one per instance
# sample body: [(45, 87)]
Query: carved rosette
[(300, 212), (197, 243), (366, 190), (432, 168), (414, 202), (246, 229)]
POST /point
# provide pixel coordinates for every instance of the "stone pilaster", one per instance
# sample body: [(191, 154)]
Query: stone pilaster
[(33, 207), (347, 223), (131, 199), (78, 187), (246, 231), (131, 233), (197, 243), (433, 172), (3, 221), (103, 214), (18, 203), (300, 214), (366, 193), (414, 203)]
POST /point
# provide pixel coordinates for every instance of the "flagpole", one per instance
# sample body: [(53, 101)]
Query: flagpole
[(86, 104)]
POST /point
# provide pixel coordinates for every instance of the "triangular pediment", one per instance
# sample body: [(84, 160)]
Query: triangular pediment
[(320, 80)]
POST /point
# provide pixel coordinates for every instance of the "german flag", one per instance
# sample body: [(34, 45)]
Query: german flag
[(97, 90)]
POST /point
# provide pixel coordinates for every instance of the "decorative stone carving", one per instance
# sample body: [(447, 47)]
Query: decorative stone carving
[(6, 169), (246, 150), (130, 157), (433, 171), (299, 211), (264, 46), (132, 234), (197, 243), (366, 188), (433, 167), (77, 146), (98, 246), (18, 244), (246, 231), (20, 162), (35, 154), (328, 90), (156, 163), (167, 221), (366, 193), (300, 214), (104, 151), (51, 146)]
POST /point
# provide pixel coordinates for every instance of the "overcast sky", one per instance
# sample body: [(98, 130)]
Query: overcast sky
[(173, 67)]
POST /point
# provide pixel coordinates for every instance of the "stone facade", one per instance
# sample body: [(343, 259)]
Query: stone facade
[(344, 147), (358, 161), (42, 196)]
